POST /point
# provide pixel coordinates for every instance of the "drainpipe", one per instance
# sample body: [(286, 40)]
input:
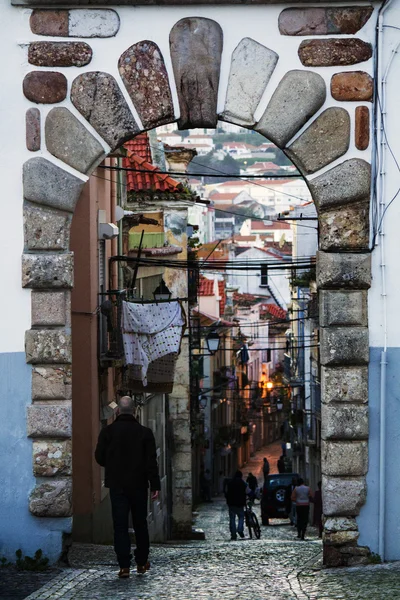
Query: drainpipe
[(381, 151)]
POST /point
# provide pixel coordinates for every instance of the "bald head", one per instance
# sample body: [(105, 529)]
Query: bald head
[(125, 405)]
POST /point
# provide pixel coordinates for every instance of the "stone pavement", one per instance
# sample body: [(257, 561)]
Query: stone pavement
[(276, 567)]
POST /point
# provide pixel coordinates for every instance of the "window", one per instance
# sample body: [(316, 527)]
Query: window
[(264, 276)]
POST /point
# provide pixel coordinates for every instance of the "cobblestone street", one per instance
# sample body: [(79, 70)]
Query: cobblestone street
[(277, 566)]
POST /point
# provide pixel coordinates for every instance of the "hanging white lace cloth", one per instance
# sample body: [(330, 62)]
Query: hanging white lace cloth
[(150, 331)]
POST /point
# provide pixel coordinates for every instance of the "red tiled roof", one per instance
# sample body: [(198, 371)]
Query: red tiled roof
[(270, 166), (274, 310), (261, 226), (139, 157), (222, 294), (220, 197), (206, 287), (140, 146), (245, 238)]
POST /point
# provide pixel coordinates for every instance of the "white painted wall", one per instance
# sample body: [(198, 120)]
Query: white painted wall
[(249, 282), (137, 23)]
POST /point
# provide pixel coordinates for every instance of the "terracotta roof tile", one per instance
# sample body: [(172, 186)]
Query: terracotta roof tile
[(206, 287), (139, 158)]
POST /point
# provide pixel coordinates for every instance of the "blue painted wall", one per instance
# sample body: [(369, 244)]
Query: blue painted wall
[(18, 528), (368, 519)]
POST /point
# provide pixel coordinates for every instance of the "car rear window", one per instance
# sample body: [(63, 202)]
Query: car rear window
[(280, 481)]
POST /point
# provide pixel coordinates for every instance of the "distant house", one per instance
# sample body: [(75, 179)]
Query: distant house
[(275, 231), (262, 280), (238, 149), (172, 139), (259, 168)]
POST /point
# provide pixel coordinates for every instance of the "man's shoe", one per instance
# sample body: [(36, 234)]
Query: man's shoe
[(233, 538), (143, 568), (241, 534), (124, 573)]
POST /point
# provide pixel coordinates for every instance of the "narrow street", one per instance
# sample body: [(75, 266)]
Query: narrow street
[(278, 566)]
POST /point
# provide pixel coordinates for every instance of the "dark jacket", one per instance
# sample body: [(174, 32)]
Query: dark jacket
[(236, 492), (127, 450)]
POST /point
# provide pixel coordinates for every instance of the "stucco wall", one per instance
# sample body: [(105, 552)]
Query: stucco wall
[(18, 527)]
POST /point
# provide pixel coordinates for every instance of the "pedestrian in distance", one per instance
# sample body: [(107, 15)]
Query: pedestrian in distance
[(236, 501), (266, 468), (318, 509), (252, 482), (291, 505), (205, 484), (281, 464), (127, 450), (302, 495)]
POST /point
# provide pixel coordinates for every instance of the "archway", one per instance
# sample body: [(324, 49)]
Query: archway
[(98, 117)]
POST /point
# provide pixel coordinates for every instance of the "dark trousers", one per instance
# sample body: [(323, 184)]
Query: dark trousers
[(124, 502), (302, 518)]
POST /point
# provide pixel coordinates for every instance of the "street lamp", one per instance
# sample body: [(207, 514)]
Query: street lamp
[(162, 292), (212, 342)]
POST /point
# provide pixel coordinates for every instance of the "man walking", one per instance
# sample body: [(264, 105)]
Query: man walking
[(127, 450), (302, 495), (236, 501), (265, 468)]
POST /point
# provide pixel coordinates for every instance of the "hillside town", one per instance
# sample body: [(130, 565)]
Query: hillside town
[(199, 343)]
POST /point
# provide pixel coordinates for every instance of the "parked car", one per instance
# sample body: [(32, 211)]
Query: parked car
[(275, 500)]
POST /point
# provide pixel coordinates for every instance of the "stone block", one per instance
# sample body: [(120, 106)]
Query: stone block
[(196, 48), (348, 182), (93, 23), (343, 497), (325, 140), (299, 95), (46, 228), (362, 128), (332, 557), (343, 307), (334, 52), (347, 459), (345, 228), (343, 270), (49, 22), (45, 87), (356, 550), (145, 76), (183, 479), (52, 458), (183, 497), (59, 54), (182, 461), (41, 271), (48, 346), (181, 431), (344, 422), (355, 86), (344, 384), (252, 65), (70, 141), (52, 498), (50, 382), (98, 98), (339, 538), (45, 183), (88, 23), (32, 123), (322, 21), (344, 346), (49, 421), (333, 524), (48, 308)]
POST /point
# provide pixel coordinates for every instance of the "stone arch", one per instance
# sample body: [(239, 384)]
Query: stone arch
[(313, 139)]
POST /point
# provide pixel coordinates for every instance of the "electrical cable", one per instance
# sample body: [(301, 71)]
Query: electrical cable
[(189, 175)]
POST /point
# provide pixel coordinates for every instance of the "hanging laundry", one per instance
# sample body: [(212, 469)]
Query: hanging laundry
[(152, 336)]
